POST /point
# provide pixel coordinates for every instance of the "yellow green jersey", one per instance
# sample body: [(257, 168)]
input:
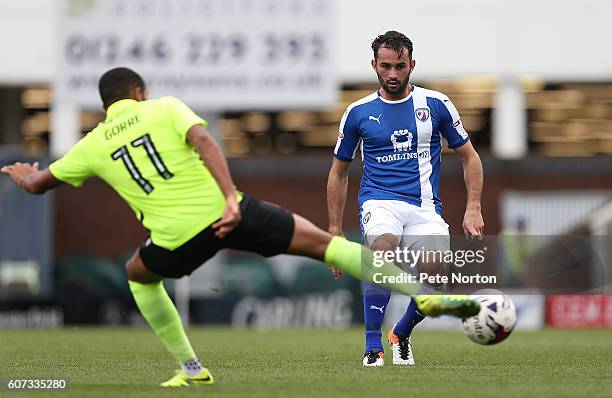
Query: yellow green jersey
[(141, 151)]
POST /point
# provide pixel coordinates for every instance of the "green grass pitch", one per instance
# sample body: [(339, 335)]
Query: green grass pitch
[(119, 362)]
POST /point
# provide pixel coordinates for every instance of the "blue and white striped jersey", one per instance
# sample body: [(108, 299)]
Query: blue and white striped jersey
[(401, 145)]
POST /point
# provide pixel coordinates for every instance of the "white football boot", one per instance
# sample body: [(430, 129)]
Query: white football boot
[(402, 349), (374, 358)]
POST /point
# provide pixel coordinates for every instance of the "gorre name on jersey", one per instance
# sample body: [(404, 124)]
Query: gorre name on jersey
[(120, 127)]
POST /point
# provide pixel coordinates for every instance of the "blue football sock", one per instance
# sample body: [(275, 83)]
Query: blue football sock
[(411, 318), (375, 300)]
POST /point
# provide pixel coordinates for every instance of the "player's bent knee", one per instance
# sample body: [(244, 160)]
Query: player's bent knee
[(434, 268), (386, 242), (137, 272), (130, 269)]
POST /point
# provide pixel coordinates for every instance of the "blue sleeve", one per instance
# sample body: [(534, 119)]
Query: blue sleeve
[(348, 137), (450, 124)]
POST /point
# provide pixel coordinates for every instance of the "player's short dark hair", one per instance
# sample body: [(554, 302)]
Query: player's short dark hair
[(393, 40), (116, 84)]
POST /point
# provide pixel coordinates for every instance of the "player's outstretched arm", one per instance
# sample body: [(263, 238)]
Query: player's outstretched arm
[(28, 177), (217, 165), (337, 185), (473, 225)]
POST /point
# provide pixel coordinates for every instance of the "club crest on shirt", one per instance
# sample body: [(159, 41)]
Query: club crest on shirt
[(422, 114)]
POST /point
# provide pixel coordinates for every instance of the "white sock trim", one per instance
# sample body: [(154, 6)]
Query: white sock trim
[(192, 367)]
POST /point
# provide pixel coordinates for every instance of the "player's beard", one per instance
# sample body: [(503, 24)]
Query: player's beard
[(398, 90)]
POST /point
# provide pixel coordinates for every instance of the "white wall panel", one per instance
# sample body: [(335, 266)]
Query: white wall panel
[(555, 39)]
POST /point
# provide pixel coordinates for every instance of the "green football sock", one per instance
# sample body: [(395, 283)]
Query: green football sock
[(161, 314), (358, 261)]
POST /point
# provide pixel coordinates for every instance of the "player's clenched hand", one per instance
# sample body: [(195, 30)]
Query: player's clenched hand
[(335, 271), (473, 225), (20, 171), (230, 219)]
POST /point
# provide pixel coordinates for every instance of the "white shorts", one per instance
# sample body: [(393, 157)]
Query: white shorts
[(409, 223)]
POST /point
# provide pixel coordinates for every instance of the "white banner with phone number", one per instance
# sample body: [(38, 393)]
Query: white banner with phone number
[(213, 54)]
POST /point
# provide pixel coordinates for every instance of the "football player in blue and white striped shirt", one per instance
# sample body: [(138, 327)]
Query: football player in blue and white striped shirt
[(400, 130)]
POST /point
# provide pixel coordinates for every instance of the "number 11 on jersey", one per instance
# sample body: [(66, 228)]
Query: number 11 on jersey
[(124, 154)]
